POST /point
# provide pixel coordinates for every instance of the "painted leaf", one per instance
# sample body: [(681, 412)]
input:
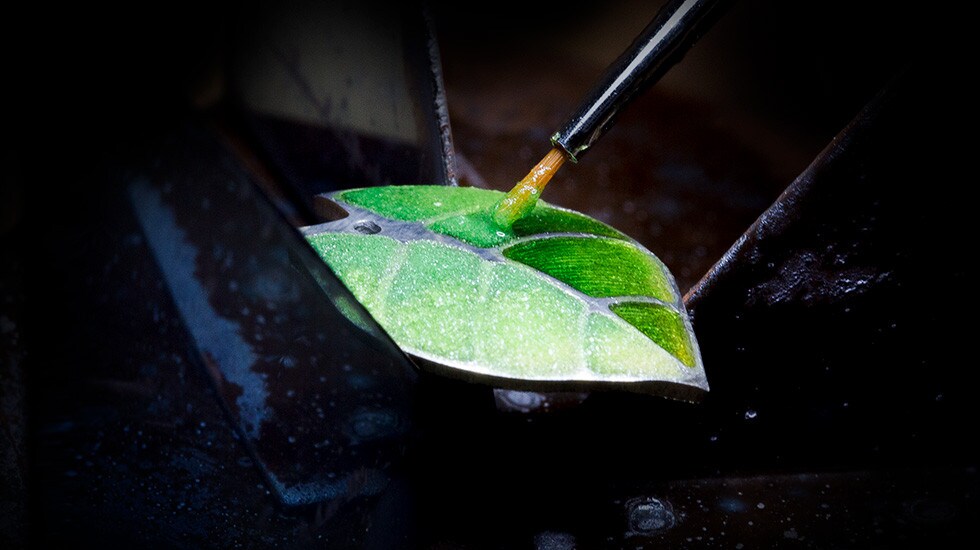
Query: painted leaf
[(559, 301)]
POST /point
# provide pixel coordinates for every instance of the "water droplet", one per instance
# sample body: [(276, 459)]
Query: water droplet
[(437, 203), (732, 504), (760, 506), (932, 511), (750, 414), (291, 439), (372, 424), (518, 400), (649, 515)]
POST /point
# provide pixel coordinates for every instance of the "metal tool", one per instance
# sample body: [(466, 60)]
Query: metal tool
[(676, 27)]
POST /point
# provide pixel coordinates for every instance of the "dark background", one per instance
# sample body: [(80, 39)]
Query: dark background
[(882, 440)]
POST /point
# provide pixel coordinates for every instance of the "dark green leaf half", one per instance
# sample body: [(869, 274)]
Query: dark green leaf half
[(662, 325), (598, 266), (545, 219)]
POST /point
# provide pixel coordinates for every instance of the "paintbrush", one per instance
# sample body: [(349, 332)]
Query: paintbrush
[(658, 47)]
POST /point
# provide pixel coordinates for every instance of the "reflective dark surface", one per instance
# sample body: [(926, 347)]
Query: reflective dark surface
[(207, 370), (292, 354), (196, 376)]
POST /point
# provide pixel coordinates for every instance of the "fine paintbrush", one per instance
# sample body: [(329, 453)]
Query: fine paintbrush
[(661, 44)]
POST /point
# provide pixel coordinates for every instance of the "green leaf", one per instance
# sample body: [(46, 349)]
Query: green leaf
[(560, 301)]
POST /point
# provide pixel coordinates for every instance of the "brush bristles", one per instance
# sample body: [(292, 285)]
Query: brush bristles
[(522, 198)]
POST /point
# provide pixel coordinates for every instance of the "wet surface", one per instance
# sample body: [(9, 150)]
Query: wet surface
[(199, 408), (293, 357), (13, 392)]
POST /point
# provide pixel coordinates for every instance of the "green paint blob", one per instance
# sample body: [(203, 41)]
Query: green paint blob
[(477, 229), (466, 213), (660, 324), (515, 205), (599, 267)]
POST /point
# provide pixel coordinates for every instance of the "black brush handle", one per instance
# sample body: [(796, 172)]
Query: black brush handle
[(661, 44)]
